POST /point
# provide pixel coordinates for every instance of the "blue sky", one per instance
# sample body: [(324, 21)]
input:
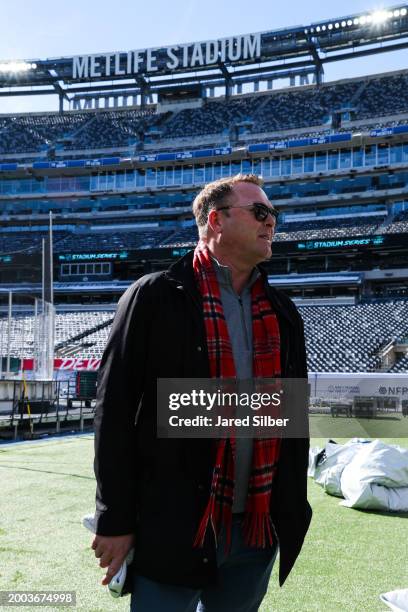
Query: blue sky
[(39, 30)]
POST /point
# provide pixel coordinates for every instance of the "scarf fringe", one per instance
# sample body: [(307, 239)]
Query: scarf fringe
[(202, 529), (208, 517), (257, 529)]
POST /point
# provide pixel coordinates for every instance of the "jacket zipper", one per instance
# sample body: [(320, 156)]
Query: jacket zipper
[(243, 322)]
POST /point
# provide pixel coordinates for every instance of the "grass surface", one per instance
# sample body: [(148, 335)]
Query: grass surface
[(46, 489), (348, 559), (386, 425)]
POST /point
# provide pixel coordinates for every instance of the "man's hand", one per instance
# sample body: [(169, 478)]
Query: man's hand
[(111, 552)]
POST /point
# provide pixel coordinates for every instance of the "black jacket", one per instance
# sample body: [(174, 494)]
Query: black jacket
[(158, 488)]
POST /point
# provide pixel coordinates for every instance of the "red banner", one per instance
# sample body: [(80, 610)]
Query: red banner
[(67, 363)]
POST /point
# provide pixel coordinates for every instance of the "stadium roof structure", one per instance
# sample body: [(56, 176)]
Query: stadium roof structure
[(223, 62)]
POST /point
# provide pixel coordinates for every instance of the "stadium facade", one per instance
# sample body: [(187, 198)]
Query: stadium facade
[(144, 130)]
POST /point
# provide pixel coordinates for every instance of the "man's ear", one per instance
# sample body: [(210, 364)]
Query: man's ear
[(215, 221)]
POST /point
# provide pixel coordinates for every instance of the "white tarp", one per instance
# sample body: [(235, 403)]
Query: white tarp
[(397, 601), (370, 475)]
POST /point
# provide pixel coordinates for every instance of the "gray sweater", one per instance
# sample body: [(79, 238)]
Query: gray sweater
[(238, 316)]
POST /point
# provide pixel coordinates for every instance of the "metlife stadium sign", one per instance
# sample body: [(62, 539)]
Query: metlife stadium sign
[(182, 57), (285, 53)]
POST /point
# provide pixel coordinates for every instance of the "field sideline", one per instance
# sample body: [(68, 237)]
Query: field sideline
[(348, 559)]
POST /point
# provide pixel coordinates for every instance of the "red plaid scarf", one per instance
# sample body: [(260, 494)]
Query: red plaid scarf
[(266, 364)]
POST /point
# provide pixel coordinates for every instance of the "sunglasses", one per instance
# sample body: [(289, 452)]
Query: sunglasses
[(260, 211)]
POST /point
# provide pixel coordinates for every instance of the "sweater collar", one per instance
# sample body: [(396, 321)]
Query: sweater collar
[(224, 276), (182, 273)]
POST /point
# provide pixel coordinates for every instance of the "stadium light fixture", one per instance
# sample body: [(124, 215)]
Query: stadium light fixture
[(12, 67), (379, 17)]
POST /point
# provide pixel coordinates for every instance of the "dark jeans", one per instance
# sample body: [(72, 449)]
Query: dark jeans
[(243, 581)]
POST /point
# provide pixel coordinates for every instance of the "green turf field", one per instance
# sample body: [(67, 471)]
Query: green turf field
[(349, 556), (387, 425)]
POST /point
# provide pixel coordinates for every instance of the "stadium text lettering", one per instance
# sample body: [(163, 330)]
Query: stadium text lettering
[(92, 256), (394, 390), (75, 363), (350, 242), (68, 363), (188, 55)]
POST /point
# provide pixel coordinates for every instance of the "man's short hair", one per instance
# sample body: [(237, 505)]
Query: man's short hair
[(216, 193)]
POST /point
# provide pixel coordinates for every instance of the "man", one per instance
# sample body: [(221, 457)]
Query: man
[(204, 517)]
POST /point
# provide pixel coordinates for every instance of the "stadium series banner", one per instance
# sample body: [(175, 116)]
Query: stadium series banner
[(167, 59)]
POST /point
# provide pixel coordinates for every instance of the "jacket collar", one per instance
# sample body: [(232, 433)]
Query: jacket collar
[(181, 272)]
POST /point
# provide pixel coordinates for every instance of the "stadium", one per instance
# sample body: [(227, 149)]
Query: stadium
[(98, 193)]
